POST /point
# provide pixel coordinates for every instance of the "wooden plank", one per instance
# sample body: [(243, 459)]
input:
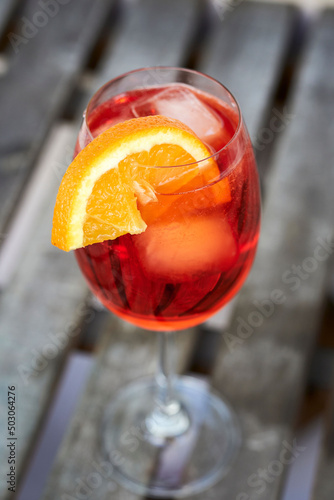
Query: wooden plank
[(261, 366), (324, 485), (42, 73), (40, 311), (245, 50), (152, 33)]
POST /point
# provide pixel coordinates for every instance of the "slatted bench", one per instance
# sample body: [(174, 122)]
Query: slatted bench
[(277, 65)]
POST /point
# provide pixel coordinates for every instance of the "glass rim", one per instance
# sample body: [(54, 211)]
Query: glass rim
[(184, 70)]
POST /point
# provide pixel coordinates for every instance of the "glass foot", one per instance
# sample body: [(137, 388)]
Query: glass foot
[(151, 459)]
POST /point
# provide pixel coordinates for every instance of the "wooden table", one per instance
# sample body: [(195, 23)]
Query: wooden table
[(280, 66)]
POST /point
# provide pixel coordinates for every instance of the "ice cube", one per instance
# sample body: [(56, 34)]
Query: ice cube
[(186, 249), (179, 102)]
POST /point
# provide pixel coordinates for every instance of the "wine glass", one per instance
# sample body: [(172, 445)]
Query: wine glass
[(193, 257)]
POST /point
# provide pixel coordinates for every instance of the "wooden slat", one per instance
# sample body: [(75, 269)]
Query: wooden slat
[(324, 484), (152, 33), (41, 77), (80, 447), (245, 51), (262, 372), (39, 309)]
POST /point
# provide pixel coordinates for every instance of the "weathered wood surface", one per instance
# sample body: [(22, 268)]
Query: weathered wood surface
[(43, 68), (245, 50), (261, 366), (73, 463), (262, 374), (324, 484)]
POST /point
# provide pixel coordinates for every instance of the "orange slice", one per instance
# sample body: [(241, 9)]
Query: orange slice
[(97, 198)]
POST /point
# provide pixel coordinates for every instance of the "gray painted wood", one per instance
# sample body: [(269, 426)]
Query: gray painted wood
[(262, 371), (324, 484), (245, 51), (41, 314), (42, 74)]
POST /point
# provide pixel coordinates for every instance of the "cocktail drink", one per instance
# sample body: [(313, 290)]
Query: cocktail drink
[(168, 234), (200, 238)]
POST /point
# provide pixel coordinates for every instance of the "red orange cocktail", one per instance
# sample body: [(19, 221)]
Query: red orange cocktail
[(201, 239)]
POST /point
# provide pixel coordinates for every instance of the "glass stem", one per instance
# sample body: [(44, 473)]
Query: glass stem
[(169, 418), (166, 374)]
